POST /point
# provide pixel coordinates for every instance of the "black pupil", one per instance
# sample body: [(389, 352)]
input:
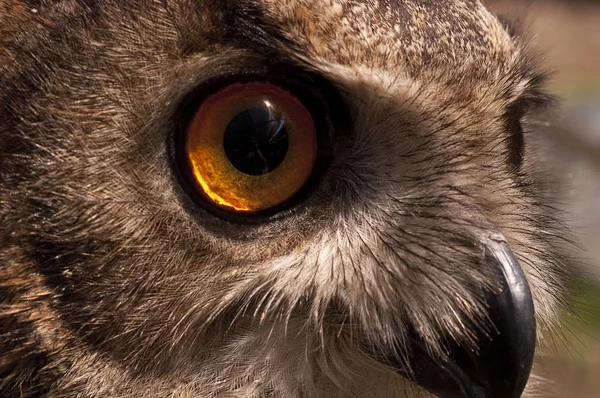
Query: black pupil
[(256, 140)]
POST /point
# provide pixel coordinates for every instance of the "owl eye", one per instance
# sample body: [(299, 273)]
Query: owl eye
[(250, 147)]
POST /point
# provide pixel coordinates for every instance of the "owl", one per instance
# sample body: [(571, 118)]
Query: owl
[(273, 198)]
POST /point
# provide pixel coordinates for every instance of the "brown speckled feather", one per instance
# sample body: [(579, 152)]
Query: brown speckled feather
[(113, 283)]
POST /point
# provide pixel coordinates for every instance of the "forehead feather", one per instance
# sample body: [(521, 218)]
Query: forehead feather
[(414, 36)]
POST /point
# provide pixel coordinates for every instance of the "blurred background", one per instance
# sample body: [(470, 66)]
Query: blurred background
[(567, 33)]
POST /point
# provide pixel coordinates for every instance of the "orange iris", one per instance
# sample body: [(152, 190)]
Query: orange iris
[(251, 146)]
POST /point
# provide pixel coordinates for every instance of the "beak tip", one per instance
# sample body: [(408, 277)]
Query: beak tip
[(513, 315), (502, 365)]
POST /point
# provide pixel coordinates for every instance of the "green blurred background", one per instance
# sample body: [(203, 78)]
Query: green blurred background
[(567, 33)]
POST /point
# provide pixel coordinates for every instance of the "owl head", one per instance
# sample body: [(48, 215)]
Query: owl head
[(255, 198)]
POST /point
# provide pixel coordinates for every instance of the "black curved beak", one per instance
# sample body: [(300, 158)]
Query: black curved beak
[(501, 366)]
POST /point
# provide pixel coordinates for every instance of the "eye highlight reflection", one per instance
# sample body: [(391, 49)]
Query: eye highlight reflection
[(250, 147)]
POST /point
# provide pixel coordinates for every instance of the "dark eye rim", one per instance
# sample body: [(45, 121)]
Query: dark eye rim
[(533, 101), (314, 92), (513, 122)]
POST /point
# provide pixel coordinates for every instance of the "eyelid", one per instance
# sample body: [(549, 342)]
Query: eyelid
[(531, 100), (321, 97), (306, 95)]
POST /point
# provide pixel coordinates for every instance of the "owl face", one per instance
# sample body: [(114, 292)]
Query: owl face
[(273, 198)]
